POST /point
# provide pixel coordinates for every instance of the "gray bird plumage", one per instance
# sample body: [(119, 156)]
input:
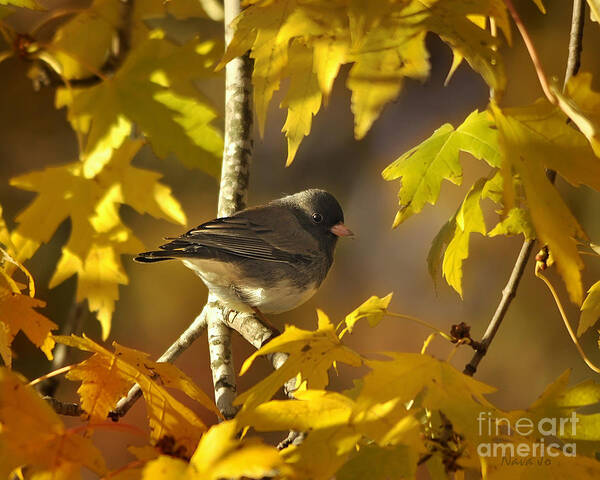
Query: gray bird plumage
[(271, 257)]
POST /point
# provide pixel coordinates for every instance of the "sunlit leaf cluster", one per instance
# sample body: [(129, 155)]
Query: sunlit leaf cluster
[(407, 410), (125, 84)]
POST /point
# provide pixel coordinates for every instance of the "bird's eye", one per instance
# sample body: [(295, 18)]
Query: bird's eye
[(317, 217)]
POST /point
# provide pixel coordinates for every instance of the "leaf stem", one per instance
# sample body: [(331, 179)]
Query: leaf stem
[(421, 322), (54, 373), (563, 314), (61, 12), (508, 294), (535, 59)]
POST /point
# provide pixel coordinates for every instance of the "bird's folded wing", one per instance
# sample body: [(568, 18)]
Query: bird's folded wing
[(240, 237)]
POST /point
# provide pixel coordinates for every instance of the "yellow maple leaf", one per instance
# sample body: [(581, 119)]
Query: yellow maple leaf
[(582, 105), (303, 98), (17, 310), (220, 455), (311, 355), (17, 313), (384, 41), (329, 54), (98, 237), (453, 22), (534, 138), (590, 310), (469, 219), (377, 75), (423, 168), (106, 377), (373, 310), (153, 89), (323, 452), (72, 45), (310, 410), (429, 382), (32, 434)]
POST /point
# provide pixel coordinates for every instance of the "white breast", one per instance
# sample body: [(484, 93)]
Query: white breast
[(283, 297), (221, 281)]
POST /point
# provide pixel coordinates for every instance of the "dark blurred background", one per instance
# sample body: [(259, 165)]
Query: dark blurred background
[(532, 347)]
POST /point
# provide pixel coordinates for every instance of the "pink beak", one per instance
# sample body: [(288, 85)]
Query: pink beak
[(341, 230)]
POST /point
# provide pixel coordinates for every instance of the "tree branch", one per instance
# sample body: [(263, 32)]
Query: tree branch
[(258, 334), (510, 290), (221, 359), (575, 40), (64, 408), (235, 172)]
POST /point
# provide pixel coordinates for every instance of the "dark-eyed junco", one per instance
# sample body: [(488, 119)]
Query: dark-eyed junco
[(268, 259)]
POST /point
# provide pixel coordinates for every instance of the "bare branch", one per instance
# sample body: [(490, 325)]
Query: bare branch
[(258, 334), (575, 39), (64, 408), (510, 290), (221, 359)]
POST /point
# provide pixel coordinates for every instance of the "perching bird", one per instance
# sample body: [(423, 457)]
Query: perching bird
[(267, 259)]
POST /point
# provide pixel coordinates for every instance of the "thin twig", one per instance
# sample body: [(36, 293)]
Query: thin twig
[(575, 40), (171, 354), (573, 64), (565, 319), (64, 408), (509, 292), (58, 371)]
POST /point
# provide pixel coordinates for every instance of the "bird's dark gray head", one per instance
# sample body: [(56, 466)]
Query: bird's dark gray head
[(319, 212)]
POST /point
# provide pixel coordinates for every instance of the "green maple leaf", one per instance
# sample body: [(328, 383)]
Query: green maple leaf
[(423, 168), (469, 219)]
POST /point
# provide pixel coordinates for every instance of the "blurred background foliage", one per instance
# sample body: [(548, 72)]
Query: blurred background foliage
[(532, 347)]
